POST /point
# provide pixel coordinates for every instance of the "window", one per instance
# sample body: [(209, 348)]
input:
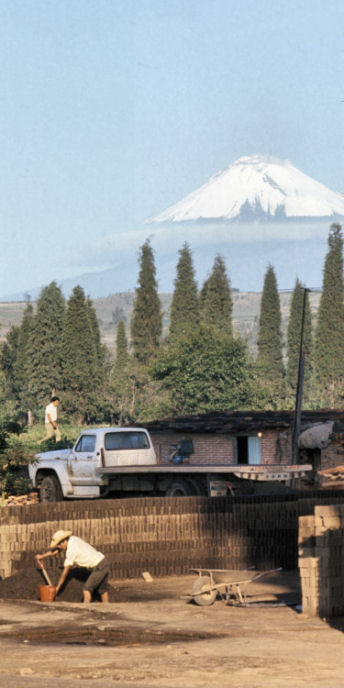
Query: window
[(126, 440), (248, 449), (87, 443)]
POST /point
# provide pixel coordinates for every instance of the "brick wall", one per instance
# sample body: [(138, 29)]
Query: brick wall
[(212, 448), (162, 535)]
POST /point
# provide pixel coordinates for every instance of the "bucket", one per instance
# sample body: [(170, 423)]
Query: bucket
[(47, 593)]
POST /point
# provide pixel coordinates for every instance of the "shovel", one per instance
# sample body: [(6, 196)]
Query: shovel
[(45, 574)]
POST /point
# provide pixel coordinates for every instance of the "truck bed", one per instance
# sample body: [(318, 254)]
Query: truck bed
[(252, 472)]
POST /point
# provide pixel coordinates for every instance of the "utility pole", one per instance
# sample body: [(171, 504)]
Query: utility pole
[(298, 401)]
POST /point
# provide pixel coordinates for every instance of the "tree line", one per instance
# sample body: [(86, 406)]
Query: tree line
[(200, 365)]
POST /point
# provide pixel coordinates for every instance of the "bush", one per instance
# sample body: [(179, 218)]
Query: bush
[(14, 460)]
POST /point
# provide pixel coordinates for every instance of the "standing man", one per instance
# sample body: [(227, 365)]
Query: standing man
[(51, 427), (80, 553)]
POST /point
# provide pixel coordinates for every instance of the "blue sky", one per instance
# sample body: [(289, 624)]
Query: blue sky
[(112, 110)]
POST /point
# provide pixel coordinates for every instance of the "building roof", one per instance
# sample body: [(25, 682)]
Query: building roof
[(235, 422)]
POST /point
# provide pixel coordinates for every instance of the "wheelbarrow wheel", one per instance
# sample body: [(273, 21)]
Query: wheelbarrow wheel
[(203, 596)]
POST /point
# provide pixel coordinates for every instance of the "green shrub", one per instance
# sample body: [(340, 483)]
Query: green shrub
[(14, 460)]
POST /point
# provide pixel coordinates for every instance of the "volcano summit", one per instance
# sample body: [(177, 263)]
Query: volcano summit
[(257, 189)]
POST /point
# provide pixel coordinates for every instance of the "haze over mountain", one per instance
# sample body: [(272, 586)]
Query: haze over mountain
[(257, 189), (260, 210)]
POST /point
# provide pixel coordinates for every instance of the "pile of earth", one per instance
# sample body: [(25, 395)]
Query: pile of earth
[(25, 585)]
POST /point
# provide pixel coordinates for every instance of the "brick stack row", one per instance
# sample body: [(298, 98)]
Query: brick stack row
[(165, 536)]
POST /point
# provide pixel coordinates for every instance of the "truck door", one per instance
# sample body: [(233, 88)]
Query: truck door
[(82, 460)]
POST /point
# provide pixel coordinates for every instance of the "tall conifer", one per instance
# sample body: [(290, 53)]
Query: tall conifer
[(184, 311), (146, 320), (22, 364), (329, 333), (121, 383), (8, 357), (122, 355), (44, 349), (216, 303), (80, 358), (99, 348), (269, 339)]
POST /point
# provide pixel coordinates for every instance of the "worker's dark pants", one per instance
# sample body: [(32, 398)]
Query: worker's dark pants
[(98, 578)]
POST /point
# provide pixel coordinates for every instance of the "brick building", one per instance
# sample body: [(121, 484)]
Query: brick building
[(241, 437)]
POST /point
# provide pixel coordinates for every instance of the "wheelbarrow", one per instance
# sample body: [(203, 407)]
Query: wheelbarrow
[(229, 584)]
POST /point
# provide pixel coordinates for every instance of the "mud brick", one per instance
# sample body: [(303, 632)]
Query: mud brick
[(329, 511)]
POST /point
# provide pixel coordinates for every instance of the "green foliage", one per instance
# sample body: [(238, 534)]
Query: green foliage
[(205, 370), (82, 359), (216, 303), (22, 364), (299, 303), (184, 311), (31, 436), (8, 356), (122, 355), (269, 342), (147, 399), (121, 387), (329, 333), (43, 353), (99, 351), (14, 459), (146, 321)]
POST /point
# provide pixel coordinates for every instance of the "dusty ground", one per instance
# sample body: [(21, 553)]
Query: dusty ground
[(154, 636)]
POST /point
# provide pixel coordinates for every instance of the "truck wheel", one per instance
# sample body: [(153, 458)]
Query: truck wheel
[(179, 488), (197, 488), (203, 599), (50, 490)]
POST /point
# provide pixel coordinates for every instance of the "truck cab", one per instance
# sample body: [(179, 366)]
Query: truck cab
[(74, 473)]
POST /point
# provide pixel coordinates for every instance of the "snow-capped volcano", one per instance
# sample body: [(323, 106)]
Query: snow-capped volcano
[(257, 188)]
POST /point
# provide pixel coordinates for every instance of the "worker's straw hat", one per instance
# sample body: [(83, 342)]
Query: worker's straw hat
[(58, 537)]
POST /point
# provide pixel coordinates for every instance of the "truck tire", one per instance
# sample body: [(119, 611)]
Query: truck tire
[(50, 489), (197, 488), (203, 599), (179, 488)]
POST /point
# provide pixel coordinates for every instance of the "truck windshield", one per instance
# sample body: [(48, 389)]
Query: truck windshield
[(86, 443), (126, 440)]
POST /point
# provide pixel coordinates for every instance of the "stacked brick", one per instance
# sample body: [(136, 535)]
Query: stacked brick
[(165, 536), (321, 561)]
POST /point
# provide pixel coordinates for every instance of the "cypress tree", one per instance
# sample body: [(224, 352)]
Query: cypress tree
[(298, 299), (122, 354), (80, 359), (184, 312), (146, 320), (99, 349), (329, 333), (269, 339), (8, 357), (216, 303), (120, 382), (44, 349), (22, 364)]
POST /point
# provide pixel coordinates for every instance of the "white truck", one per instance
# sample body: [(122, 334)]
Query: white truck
[(122, 462)]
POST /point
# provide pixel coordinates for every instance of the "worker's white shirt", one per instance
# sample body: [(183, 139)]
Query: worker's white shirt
[(51, 410), (80, 553)]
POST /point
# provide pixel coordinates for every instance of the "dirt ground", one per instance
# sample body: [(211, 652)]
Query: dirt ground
[(154, 636)]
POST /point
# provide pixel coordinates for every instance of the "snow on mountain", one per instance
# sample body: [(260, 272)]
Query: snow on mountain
[(257, 188)]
